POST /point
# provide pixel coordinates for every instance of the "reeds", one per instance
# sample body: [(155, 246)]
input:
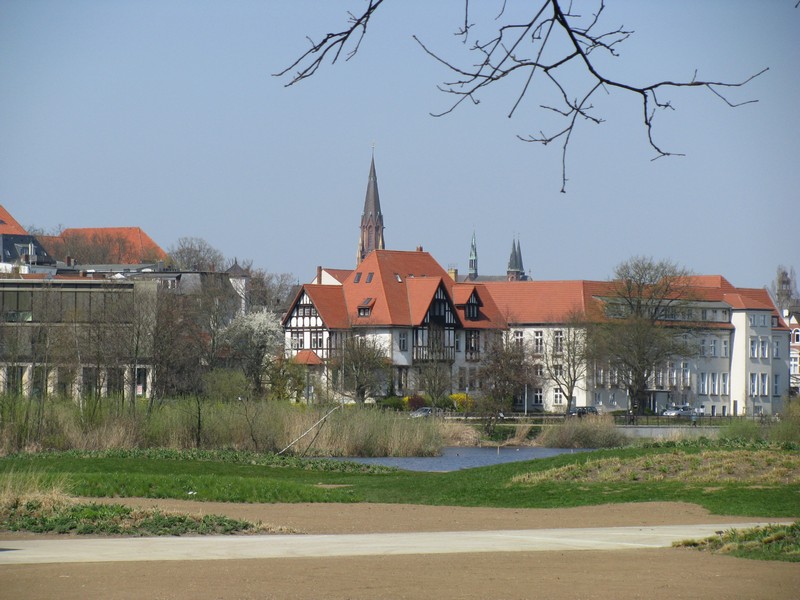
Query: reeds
[(194, 422)]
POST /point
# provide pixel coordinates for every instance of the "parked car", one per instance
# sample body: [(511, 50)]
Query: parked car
[(425, 411), (582, 411), (679, 411)]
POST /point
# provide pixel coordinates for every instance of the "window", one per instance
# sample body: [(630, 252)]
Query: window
[(364, 311), (673, 374), (702, 384), (712, 347), (763, 320), (685, 376), (538, 342), (317, 339), (538, 370), (751, 319), (714, 383), (753, 384), (703, 350), (518, 338), (764, 384), (558, 341), (796, 336), (725, 348), (776, 349), (357, 277), (753, 347), (297, 340), (558, 396), (402, 341), (794, 365), (369, 277), (764, 343), (538, 395), (776, 381), (724, 384)]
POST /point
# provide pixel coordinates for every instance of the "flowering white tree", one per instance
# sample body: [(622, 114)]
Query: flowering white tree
[(255, 340)]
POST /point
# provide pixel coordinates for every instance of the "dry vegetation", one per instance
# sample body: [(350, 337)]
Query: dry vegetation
[(760, 467)]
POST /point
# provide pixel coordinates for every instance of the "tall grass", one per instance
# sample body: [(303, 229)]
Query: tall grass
[(586, 432), (260, 426)]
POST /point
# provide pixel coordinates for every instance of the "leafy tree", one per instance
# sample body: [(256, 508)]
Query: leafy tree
[(647, 302), (254, 340), (546, 48)]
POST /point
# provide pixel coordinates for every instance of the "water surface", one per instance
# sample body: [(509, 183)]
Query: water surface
[(456, 458)]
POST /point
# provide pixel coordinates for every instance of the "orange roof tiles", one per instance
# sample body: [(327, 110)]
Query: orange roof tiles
[(527, 302), (9, 225), (130, 245), (398, 289)]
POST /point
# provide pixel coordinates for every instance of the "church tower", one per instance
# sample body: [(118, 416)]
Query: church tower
[(516, 271), (372, 219), (473, 260)]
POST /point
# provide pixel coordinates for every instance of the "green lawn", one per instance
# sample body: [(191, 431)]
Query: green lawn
[(237, 477)]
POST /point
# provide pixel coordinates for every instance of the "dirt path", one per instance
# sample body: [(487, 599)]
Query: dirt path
[(652, 574)]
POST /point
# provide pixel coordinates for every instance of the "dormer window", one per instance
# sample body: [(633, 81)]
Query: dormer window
[(365, 308)]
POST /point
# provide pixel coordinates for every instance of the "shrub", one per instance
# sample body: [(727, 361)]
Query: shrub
[(463, 402), (742, 429), (414, 402), (392, 403), (589, 432), (787, 429)]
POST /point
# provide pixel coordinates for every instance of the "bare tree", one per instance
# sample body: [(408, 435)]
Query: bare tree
[(548, 43), (362, 365), (565, 356), (784, 289), (195, 254), (507, 367), (647, 304)]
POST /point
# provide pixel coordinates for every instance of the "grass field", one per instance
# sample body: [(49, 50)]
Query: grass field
[(771, 489)]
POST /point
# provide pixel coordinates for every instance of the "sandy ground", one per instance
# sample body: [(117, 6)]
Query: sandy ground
[(665, 573)]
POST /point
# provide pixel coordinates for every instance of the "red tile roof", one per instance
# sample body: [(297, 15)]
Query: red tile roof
[(9, 225), (529, 302), (134, 245), (307, 357)]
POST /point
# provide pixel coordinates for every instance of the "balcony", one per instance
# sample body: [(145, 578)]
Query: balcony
[(425, 353)]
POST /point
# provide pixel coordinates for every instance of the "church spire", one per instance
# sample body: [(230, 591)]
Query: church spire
[(372, 218), (473, 260), (515, 272)]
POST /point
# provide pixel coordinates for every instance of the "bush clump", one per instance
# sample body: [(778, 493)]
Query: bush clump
[(588, 432)]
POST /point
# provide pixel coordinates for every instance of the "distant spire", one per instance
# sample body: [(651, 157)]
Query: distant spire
[(515, 270), (473, 259), (372, 218)]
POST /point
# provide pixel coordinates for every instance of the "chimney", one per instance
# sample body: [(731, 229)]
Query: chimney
[(453, 272), (319, 274), (419, 249)]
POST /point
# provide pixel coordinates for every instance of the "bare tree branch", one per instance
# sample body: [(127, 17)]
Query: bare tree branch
[(572, 38)]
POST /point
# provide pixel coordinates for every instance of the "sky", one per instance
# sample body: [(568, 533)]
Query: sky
[(165, 114)]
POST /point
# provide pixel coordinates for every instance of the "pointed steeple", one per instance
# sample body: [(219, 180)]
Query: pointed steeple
[(371, 219), (473, 260), (516, 271)]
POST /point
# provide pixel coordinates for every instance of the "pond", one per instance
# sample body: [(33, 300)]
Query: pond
[(456, 458)]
